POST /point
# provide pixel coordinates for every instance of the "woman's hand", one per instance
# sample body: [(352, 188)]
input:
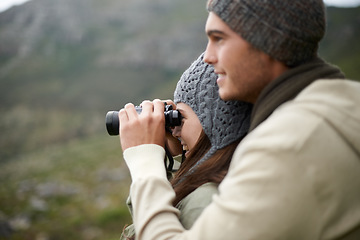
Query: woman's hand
[(148, 127)]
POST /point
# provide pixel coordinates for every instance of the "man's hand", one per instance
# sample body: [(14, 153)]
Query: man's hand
[(148, 127)]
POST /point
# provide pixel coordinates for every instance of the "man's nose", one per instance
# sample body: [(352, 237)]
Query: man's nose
[(209, 56)]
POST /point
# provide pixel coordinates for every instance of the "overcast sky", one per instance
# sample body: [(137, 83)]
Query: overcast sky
[(5, 4)]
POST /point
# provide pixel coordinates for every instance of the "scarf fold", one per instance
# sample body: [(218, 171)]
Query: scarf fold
[(289, 85)]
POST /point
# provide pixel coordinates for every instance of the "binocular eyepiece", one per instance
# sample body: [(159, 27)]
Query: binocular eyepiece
[(172, 119)]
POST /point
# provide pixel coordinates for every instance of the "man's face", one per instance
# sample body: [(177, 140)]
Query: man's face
[(243, 71)]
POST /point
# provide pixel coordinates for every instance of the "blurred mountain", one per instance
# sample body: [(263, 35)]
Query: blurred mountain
[(49, 43), (65, 63)]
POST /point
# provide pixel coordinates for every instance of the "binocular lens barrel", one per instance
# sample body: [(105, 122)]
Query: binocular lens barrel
[(112, 123), (172, 119)]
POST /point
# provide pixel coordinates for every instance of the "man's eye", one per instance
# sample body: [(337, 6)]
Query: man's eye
[(217, 38)]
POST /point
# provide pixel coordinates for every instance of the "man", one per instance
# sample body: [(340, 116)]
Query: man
[(297, 173)]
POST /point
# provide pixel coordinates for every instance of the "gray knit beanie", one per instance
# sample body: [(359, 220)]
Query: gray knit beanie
[(223, 122), (287, 30)]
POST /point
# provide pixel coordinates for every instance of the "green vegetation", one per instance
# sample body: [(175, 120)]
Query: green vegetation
[(76, 190), (340, 45)]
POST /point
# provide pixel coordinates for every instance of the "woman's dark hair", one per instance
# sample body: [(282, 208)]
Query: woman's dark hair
[(212, 170)]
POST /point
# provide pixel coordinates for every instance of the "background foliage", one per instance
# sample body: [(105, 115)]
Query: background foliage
[(63, 65)]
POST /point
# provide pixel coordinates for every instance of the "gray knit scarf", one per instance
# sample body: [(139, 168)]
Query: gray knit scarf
[(288, 85)]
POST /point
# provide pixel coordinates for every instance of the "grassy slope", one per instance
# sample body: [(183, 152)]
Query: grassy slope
[(76, 190)]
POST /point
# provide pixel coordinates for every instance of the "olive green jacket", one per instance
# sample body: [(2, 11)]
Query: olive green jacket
[(190, 207)]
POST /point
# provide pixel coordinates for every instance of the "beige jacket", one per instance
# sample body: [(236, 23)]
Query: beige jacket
[(296, 176)]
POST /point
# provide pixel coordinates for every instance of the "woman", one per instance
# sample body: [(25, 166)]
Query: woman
[(210, 131)]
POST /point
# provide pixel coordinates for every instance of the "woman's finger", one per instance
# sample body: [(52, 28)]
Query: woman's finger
[(130, 110)]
